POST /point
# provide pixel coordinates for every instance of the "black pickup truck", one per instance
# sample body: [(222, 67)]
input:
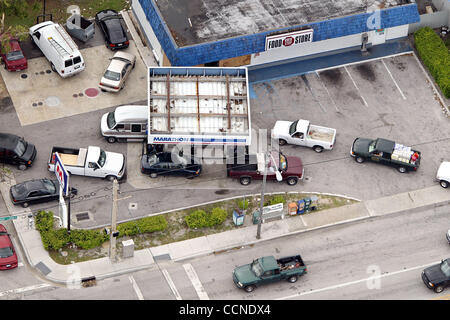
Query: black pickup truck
[(268, 269), (386, 152)]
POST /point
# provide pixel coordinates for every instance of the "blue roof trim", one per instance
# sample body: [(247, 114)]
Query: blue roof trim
[(248, 44)]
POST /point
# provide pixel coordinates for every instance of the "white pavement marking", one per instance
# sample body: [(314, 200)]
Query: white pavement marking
[(354, 83), (171, 284), (136, 288), (357, 281), (195, 281), (25, 289), (328, 92), (395, 82)]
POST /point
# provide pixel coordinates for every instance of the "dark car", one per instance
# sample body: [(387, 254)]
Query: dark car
[(36, 191), (13, 57), (15, 150), (437, 277), (110, 23), (8, 256), (167, 163)]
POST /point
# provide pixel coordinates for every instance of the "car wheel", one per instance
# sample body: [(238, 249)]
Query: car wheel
[(360, 159), (439, 289), (401, 169), (53, 67), (153, 175), (22, 167), (111, 139), (292, 181), (282, 142), (25, 204), (249, 288), (245, 181), (293, 279), (110, 178), (444, 184), (318, 149)]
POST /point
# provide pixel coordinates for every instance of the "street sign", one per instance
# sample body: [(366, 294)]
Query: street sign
[(62, 175), (8, 218)]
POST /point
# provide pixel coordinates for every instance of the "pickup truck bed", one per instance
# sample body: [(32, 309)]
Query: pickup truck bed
[(321, 133), (71, 157), (290, 263)]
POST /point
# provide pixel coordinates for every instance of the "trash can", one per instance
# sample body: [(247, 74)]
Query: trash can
[(256, 217), (128, 248), (301, 206), (238, 217), (307, 204), (292, 208)]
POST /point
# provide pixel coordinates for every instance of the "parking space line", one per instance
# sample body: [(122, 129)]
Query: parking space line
[(305, 80), (354, 83), (136, 288), (328, 92), (195, 281), (171, 284), (392, 77)]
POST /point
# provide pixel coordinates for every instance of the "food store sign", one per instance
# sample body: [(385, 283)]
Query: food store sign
[(291, 39)]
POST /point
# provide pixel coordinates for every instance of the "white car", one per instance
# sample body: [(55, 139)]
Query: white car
[(117, 72), (443, 174)]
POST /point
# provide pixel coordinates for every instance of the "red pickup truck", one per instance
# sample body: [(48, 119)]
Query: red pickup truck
[(252, 167)]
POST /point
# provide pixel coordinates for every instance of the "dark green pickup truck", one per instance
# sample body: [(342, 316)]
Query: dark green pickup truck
[(386, 152), (268, 269)]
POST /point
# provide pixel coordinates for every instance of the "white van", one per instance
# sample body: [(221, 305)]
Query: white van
[(126, 122), (58, 47)]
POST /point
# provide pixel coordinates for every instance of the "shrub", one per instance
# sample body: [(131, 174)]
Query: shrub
[(435, 56), (276, 199), (55, 239), (44, 221), (87, 239), (144, 225), (243, 205), (197, 219), (217, 216)]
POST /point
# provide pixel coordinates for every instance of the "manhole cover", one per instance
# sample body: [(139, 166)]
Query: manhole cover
[(48, 71), (42, 72), (75, 95), (34, 104), (132, 206), (52, 101), (82, 216), (24, 76), (91, 92)]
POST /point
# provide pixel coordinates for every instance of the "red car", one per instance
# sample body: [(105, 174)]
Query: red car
[(14, 59), (8, 257)]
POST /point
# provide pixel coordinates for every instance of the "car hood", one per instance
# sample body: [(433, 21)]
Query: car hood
[(9, 260), (361, 145), (114, 162), (295, 165), (281, 128), (245, 275), (434, 273), (444, 171)]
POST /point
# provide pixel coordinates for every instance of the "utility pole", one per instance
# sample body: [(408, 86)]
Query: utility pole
[(261, 206), (112, 246)]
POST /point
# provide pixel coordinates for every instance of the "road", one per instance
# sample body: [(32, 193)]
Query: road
[(379, 258)]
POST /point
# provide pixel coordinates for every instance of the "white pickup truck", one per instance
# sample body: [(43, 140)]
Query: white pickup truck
[(443, 174), (302, 133), (91, 162)]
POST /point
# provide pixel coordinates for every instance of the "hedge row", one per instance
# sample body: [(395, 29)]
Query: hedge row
[(200, 219), (55, 239), (435, 55)]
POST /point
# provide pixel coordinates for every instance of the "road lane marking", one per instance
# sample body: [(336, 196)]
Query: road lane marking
[(342, 285), (195, 281), (136, 288), (171, 284), (392, 77), (25, 289), (354, 83)]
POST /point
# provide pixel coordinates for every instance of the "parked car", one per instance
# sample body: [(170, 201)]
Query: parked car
[(117, 72), (110, 23), (443, 174), (16, 151), (8, 256), (437, 277), (268, 269), (169, 163), (386, 152), (13, 56), (125, 123), (36, 191)]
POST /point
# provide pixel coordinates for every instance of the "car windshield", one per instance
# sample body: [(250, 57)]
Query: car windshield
[(6, 252), (293, 127), (153, 159), (49, 186), (111, 75), (14, 55), (20, 148), (256, 268), (445, 267), (102, 158), (111, 120), (372, 146)]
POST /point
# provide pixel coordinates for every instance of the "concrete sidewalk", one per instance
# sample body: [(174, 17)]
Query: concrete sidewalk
[(103, 268)]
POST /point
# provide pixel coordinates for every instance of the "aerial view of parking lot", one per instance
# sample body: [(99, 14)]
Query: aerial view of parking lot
[(158, 150)]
